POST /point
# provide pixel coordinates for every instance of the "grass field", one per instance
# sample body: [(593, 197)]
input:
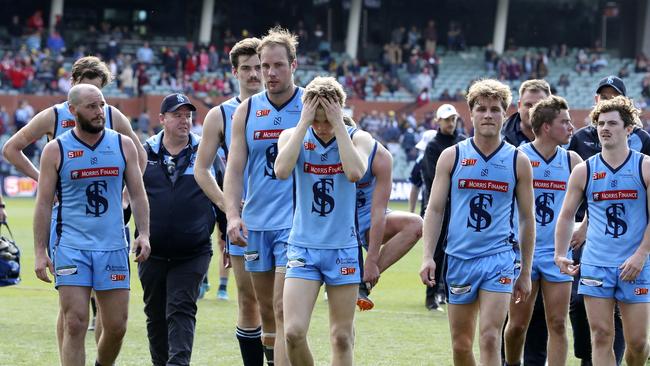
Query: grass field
[(399, 331)]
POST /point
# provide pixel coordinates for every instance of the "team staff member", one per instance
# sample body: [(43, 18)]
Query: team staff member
[(613, 266), (86, 168), (217, 130), (264, 223), (182, 221), (323, 244), (482, 177)]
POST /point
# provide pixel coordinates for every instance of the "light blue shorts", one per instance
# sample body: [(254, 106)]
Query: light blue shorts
[(605, 282), (266, 250), (544, 268), (465, 277), (331, 266), (101, 270), (235, 250)]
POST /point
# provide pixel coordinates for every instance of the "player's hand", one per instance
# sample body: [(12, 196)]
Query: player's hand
[(42, 264), (522, 288), (237, 232), (333, 110), (141, 248), (566, 266), (428, 272), (578, 237), (370, 272), (309, 111), (3, 215), (632, 266)]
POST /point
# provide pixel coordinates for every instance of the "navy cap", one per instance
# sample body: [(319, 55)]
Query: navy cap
[(174, 101), (613, 81)]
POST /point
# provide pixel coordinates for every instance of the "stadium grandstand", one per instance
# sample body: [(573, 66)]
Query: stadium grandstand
[(398, 62)]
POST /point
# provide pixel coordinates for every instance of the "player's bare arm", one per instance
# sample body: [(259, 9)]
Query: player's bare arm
[(50, 160), (524, 195), (290, 141), (382, 169), (139, 201), (565, 221), (435, 214), (122, 125), (41, 125), (210, 141), (633, 265), (579, 236), (234, 178)]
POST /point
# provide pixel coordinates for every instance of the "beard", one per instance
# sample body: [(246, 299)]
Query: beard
[(86, 125)]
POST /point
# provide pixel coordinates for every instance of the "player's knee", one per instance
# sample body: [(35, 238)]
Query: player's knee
[(114, 330), (515, 329), (247, 302), (75, 324), (490, 339), (461, 344), (295, 335), (414, 227), (557, 325), (637, 345), (342, 339), (601, 335)]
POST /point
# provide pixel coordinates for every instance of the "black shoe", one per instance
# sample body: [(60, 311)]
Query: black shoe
[(431, 303), (440, 296), (585, 362)]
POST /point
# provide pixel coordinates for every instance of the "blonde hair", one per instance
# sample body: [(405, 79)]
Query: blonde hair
[(534, 85), (625, 108), (278, 36), (489, 88), (324, 86)]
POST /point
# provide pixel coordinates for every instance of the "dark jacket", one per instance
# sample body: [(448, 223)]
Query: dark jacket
[(182, 217), (511, 131), (585, 142)]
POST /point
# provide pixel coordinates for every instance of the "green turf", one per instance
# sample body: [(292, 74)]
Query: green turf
[(399, 331)]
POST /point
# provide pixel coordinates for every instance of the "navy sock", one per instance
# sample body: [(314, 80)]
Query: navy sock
[(250, 346)]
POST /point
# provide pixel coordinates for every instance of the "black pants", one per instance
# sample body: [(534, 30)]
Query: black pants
[(537, 335), (580, 324), (171, 289)]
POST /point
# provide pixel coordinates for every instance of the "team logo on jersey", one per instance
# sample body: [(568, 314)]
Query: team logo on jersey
[(93, 160), (271, 154), (641, 291), (490, 185), (97, 204), (468, 162), (309, 146), (479, 218), (613, 183), (262, 112), (323, 169), (544, 213), (323, 203), (118, 277), (599, 175), (277, 120), (75, 154), (549, 184), (266, 134), (591, 282), (616, 226), (534, 163), (625, 194), (68, 123), (95, 172), (460, 289), (66, 270)]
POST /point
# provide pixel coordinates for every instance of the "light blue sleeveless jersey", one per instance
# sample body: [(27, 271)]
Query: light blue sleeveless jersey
[(268, 199), (482, 197), (65, 120), (89, 190), (227, 111), (325, 200), (365, 187), (550, 180), (617, 209)]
